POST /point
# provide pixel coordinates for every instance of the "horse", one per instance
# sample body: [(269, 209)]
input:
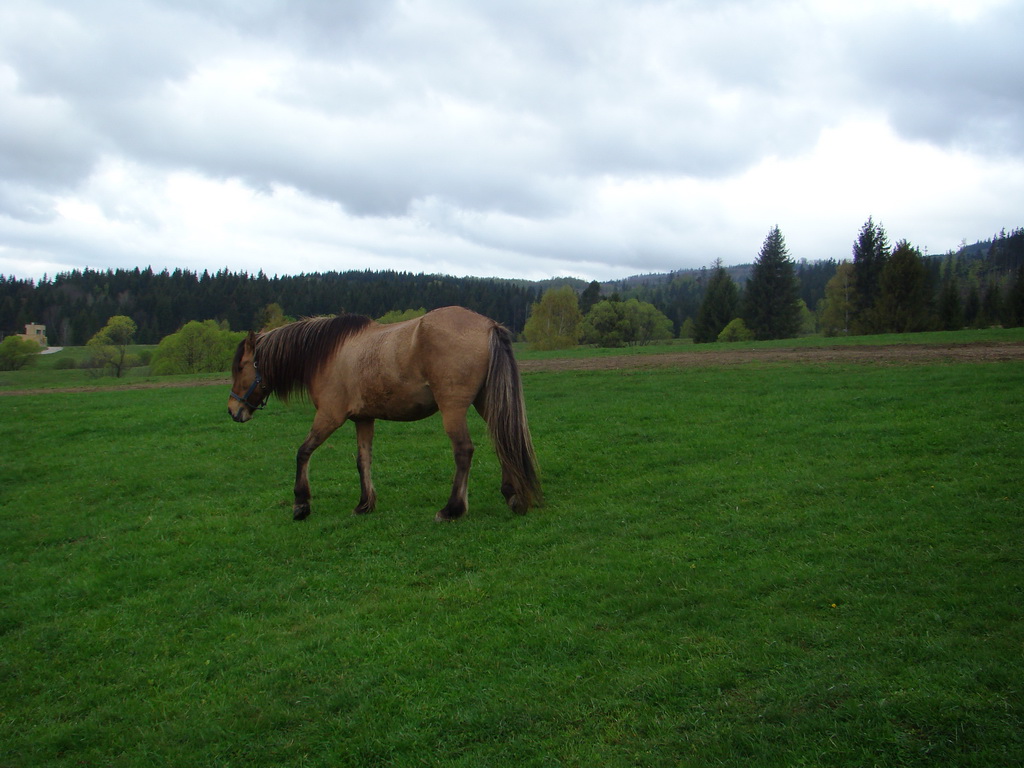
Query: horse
[(355, 369)]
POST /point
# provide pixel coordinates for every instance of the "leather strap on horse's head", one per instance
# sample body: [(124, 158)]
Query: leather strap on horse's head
[(256, 382)]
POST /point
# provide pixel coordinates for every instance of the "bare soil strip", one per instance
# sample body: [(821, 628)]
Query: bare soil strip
[(895, 354), (117, 387)]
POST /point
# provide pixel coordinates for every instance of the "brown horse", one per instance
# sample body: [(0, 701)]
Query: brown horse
[(355, 369)]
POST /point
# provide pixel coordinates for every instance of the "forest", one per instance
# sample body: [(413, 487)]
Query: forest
[(75, 305), (968, 287)]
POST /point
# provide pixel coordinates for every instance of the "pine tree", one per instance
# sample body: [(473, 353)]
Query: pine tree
[(991, 305), (718, 307), (772, 303), (590, 296), (1014, 309), (903, 293), (870, 253), (972, 306), (951, 313)]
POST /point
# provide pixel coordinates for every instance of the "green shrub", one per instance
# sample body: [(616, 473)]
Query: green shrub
[(400, 315), (736, 330), (197, 348), (16, 353), (630, 323)]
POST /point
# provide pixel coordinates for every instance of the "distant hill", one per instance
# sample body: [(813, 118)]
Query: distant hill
[(739, 273), (1005, 251)]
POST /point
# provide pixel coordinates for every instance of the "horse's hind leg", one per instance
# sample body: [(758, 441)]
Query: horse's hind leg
[(514, 500), (462, 447), (367, 494)]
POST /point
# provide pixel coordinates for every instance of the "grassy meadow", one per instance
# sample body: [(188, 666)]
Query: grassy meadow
[(759, 565)]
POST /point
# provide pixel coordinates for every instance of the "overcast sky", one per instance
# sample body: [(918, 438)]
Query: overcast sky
[(510, 138)]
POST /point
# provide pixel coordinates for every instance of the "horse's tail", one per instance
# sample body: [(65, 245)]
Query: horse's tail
[(505, 413)]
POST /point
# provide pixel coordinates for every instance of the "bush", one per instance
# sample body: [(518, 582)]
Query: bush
[(16, 353), (197, 348), (401, 315), (618, 323), (736, 330)]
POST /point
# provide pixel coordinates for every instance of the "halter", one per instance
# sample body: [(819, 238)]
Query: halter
[(244, 399)]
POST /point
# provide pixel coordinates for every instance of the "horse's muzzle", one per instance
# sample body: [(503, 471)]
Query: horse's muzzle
[(240, 414)]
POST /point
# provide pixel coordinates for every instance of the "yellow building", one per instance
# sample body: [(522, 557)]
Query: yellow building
[(35, 332)]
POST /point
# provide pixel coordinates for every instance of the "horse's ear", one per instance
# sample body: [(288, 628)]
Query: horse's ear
[(250, 342)]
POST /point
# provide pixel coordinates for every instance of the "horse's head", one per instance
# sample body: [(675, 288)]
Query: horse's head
[(248, 391)]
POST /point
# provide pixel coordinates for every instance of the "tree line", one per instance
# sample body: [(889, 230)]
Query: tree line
[(881, 287), (75, 305), (769, 308), (894, 288)]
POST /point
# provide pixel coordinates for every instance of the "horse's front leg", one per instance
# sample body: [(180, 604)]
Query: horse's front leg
[(462, 448), (364, 458), (322, 428)]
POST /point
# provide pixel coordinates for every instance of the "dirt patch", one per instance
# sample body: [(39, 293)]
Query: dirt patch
[(119, 387), (695, 357), (692, 357)]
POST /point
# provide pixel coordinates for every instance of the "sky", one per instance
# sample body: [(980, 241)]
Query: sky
[(500, 138)]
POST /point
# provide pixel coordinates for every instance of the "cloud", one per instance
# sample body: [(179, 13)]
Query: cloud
[(953, 80), (503, 138)]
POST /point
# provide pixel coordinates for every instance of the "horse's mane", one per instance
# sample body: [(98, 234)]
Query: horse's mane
[(291, 356)]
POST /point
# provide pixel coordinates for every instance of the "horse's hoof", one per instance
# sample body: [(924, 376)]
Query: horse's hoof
[(362, 510), (514, 501), (517, 506), (300, 512), (447, 515)]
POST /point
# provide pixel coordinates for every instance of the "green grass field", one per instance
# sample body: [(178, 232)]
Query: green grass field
[(763, 565)]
